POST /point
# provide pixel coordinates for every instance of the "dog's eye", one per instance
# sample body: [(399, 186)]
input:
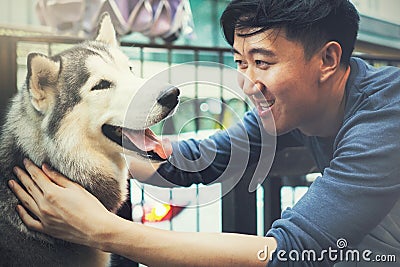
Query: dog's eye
[(103, 84)]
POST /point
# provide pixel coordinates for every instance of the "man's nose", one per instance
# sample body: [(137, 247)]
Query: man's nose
[(251, 88), (249, 82)]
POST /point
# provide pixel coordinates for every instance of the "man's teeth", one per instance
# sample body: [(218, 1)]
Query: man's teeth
[(267, 104)]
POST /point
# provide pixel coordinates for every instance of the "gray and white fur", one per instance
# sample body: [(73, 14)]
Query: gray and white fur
[(57, 118)]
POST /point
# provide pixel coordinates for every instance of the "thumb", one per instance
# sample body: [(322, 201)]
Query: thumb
[(56, 177)]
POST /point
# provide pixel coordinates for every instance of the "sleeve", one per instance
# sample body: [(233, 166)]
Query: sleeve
[(354, 194), (224, 155)]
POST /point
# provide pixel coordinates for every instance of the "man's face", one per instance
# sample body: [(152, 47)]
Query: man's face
[(282, 84)]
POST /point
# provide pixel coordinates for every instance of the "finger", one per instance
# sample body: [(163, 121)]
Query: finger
[(40, 178), (29, 184), (56, 177), (167, 146), (164, 149), (28, 220), (24, 197)]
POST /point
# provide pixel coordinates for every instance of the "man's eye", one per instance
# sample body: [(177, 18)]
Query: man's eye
[(262, 63), (240, 63), (103, 84)]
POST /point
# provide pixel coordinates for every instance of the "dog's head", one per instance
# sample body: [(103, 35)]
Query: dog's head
[(89, 98), (87, 105)]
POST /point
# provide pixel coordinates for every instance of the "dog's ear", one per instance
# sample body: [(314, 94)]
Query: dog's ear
[(106, 32), (43, 73)]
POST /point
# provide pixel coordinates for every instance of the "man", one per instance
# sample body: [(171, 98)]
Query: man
[(297, 57)]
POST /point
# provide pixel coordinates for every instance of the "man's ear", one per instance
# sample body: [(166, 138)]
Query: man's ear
[(42, 79), (106, 32), (330, 59)]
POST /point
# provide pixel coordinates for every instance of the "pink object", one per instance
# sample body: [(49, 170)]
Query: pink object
[(153, 18)]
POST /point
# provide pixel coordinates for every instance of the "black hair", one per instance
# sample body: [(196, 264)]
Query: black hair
[(313, 23)]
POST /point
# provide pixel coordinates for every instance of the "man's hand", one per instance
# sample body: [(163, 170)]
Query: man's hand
[(64, 209), (142, 168)]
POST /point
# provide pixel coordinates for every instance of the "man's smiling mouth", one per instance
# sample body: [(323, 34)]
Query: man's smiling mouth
[(266, 105)]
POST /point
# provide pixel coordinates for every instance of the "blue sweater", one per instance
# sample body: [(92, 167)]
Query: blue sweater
[(354, 207)]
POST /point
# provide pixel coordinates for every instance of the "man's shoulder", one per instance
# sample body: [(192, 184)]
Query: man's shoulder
[(371, 88), (365, 75)]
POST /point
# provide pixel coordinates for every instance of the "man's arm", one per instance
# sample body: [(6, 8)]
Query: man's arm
[(156, 247), (67, 211), (356, 193), (142, 169), (225, 155)]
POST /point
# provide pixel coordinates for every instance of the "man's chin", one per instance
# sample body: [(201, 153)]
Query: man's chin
[(269, 125)]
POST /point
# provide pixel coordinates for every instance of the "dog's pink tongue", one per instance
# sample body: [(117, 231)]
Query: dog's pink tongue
[(147, 141)]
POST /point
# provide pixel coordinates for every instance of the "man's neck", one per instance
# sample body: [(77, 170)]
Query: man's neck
[(330, 119)]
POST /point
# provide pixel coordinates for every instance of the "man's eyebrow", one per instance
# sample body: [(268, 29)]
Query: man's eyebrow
[(262, 51), (234, 51)]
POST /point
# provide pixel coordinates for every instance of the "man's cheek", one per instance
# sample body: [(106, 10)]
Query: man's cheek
[(241, 80)]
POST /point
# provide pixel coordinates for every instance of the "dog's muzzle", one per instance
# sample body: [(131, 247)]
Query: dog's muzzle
[(144, 142)]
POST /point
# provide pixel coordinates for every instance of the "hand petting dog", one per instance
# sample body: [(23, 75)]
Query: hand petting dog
[(70, 216)]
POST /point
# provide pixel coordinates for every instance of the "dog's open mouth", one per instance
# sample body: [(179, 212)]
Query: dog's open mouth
[(144, 142)]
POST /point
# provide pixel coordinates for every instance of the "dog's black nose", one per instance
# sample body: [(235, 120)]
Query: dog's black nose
[(169, 98)]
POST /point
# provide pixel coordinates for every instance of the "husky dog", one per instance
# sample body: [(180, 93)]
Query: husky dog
[(71, 114)]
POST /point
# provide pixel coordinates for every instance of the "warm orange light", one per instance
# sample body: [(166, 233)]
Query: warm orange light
[(160, 212), (157, 213)]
